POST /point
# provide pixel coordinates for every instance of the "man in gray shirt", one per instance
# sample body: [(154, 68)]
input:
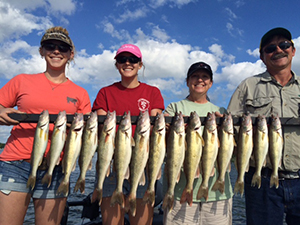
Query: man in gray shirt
[(276, 91)]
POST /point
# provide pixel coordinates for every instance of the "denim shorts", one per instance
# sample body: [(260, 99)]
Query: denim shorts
[(14, 176), (110, 184)]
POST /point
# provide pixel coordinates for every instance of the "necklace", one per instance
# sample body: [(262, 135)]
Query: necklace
[(56, 85)]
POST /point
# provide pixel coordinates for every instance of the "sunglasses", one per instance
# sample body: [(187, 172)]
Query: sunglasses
[(61, 47), (124, 59), (282, 45)]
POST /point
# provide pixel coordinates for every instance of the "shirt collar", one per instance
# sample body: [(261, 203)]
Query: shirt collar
[(266, 77)]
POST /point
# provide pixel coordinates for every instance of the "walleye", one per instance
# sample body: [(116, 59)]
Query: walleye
[(156, 156), (139, 158), (244, 151), (72, 150), (122, 156), (260, 150), (57, 144), (275, 150), (209, 154), (227, 143), (192, 156), (175, 158), (88, 148), (39, 146), (105, 153)]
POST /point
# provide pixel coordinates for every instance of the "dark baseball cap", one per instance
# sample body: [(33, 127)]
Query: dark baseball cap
[(199, 66), (271, 33)]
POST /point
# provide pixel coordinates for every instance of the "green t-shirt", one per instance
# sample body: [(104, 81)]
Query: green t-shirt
[(186, 107)]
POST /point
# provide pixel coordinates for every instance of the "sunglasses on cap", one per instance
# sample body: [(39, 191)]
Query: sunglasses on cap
[(282, 45), (124, 59), (61, 47)]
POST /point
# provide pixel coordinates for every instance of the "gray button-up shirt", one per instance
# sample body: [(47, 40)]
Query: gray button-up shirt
[(262, 94)]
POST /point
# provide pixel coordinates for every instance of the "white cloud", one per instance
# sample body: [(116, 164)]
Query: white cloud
[(132, 15)]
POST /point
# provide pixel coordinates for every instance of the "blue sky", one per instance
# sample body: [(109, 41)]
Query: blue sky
[(172, 34)]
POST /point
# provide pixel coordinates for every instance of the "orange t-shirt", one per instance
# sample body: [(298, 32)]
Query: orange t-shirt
[(33, 93)]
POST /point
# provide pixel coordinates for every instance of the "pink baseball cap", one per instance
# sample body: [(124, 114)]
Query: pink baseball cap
[(133, 49)]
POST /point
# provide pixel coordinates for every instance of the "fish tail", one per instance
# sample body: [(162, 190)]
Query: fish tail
[(187, 196), (80, 184), (97, 195), (117, 197), (149, 197), (274, 181), (168, 202), (202, 192), (239, 188), (256, 180), (63, 188), (219, 185), (132, 204), (47, 179), (31, 182)]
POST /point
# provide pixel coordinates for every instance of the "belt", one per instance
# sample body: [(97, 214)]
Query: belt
[(282, 175)]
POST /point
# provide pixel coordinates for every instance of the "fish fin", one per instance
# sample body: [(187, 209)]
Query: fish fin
[(234, 143), (219, 186), (229, 167), (74, 167), (187, 196), (239, 188), (63, 188), (274, 181), (149, 197), (212, 172), (117, 197), (202, 192), (108, 171), (97, 195), (178, 178), (143, 179), (127, 174), (47, 179), (132, 142), (197, 174), (168, 202), (80, 184), (90, 165), (159, 175), (256, 180), (31, 182), (132, 204)]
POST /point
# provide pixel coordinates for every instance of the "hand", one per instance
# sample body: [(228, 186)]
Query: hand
[(218, 114), (5, 119)]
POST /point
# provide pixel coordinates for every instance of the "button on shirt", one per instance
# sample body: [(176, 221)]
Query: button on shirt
[(262, 94)]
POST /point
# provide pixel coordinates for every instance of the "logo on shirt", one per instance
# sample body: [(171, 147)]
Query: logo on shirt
[(71, 100), (143, 104)]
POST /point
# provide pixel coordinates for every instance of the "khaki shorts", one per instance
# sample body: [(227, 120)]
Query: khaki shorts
[(202, 213)]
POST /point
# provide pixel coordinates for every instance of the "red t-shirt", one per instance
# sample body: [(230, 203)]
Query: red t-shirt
[(33, 93), (121, 99)]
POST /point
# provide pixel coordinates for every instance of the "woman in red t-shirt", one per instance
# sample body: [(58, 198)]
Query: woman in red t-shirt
[(127, 95)]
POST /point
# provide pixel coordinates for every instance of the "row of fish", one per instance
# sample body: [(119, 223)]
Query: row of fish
[(196, 151)]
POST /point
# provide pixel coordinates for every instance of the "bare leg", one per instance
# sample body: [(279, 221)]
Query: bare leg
[(111, 215), (144, 214), (49, 211), (13, 207)]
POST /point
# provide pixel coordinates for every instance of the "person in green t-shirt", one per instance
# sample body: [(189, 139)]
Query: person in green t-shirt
[(218, 208)]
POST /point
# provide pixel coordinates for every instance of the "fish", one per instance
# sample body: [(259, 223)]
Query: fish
[(275, 148), (57, 144), (122, 156), (139, 158), (192, 156), (88, 149), (157, 153), (244, 151), (209, 154), (174, 159), (72, 151), (227, 144), (260, 149), (39, 146), (105, 153)]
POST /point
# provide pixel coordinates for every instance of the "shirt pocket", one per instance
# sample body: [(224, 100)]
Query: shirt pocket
[(262, 106), (295, 106)]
